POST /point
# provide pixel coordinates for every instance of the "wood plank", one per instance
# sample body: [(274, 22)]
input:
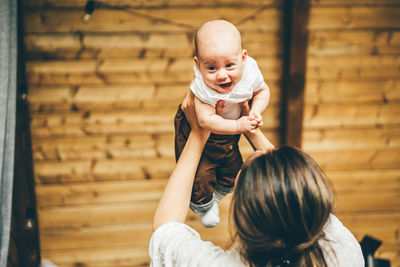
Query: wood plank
[(123, 96), (50, 46), (353, 91), (353, 67), (365, 180), (62, 172), (367, 221), (351, 116), (358, 17), (97, 237), (133, 71), (369, 202), (195, 3), (353, 2), (261, 45), (121, 256), (83, 216), (69, 46), (134, 45), (354, 139), (102, 170), (348, 160), (83, 123), (149, 20), (355, 42), (148, 3), (97, 147), (94, 193)]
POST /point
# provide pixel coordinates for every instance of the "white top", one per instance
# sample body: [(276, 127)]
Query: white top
[(252, 80), (176, 244)]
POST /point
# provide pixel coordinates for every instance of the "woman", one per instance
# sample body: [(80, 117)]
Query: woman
[(281, 207)]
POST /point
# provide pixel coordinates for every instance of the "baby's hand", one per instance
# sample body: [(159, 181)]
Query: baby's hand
[(246, 124), (257, 117)]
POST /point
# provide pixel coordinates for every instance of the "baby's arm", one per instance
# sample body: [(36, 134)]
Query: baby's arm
[(208, 119), (259, 104)]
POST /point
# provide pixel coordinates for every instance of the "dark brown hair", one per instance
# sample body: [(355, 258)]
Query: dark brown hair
[(281, 203)]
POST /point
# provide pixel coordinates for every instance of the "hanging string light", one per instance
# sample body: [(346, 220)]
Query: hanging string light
[(89, 8)]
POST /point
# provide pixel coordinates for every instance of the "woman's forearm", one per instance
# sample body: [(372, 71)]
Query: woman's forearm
[(174, 202), (258, 141)]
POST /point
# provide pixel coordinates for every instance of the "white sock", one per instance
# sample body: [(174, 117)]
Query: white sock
[(210, 218), (218, 196)]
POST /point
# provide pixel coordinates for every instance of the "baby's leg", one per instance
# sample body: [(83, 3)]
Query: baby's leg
[(202, 200), (228, 169)]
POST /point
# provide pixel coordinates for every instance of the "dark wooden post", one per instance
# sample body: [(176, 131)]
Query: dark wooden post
[(24, 247), (296, 15)]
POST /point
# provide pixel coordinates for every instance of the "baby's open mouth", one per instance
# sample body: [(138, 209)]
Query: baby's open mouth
[(226, 84)]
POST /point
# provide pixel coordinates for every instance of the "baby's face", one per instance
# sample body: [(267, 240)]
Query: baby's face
[(221, 66)]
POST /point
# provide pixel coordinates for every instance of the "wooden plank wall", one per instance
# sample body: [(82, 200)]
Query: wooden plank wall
[(103, 94), (351, 123), (102, 98)]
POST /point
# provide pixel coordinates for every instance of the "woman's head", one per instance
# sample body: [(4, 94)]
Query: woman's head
[(280, 205)]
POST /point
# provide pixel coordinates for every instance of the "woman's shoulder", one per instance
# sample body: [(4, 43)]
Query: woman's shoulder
[(178, 244), (340, 247)]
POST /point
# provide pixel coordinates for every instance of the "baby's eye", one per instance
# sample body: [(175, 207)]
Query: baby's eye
[(229, 65), (212, 68)]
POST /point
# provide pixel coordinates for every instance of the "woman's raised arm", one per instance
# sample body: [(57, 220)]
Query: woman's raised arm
[(174, 202)]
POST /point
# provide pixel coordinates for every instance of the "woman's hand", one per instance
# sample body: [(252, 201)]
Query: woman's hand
[(244, 108), (190, 114)]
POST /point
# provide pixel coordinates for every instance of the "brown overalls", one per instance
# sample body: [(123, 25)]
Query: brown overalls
[(219, 164)]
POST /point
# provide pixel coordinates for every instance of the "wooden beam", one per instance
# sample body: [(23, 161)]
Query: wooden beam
[(25, 231), (294, 69)]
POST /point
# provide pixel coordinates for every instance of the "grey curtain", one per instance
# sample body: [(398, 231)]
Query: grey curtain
[(8, 89)]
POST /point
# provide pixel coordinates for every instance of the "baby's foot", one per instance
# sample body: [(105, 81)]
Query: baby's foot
[(210, 218)]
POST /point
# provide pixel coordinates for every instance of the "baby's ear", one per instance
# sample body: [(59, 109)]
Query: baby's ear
[(244, 54), (196, 60)]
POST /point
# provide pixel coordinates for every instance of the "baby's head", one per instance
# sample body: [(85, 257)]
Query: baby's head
[(219, 55)]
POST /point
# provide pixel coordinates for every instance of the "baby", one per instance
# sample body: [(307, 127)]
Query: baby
[(224, 77)]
